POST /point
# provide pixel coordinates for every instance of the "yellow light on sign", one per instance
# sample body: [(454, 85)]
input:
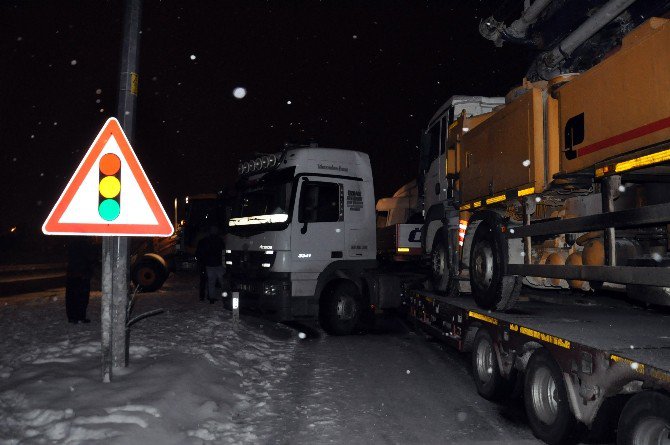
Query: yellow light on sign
[(403, 249), (495, 199), (465, 207), (643, 161), (477, 204), (527, 191), (110, 187)]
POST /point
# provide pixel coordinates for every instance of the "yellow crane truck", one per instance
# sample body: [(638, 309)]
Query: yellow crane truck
[(566, 183)]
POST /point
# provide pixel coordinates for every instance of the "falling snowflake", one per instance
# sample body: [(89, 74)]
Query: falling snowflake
[(55, 123), (32, 136), (354, 37), (288, 102), (73, 62), (97, 101), (98, 91), (622, 188), (408, 371), (302, 335), (526, 163), (239, 92), (656, 257), (18, 39), (192, 56), (538, 199), (102, 110)]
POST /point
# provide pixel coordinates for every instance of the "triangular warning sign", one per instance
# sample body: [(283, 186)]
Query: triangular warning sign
[(109, 193)]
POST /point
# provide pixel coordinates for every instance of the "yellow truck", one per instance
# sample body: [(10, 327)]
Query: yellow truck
[(566, 183)]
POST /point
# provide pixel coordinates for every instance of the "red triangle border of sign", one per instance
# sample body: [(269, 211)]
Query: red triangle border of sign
[(110, 129)]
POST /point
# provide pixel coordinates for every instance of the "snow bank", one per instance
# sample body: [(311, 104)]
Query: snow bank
[(191, 379)]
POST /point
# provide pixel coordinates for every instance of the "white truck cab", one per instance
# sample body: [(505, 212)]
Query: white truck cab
[(302, 234)]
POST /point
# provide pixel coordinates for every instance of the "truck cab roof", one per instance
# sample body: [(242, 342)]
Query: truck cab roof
[(320, 160), (473, 106)]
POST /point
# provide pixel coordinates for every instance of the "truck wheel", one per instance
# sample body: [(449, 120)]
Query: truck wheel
[(340, 311), (439, 260), (645, 420), (149, 275), (546, 401), (489, 382), (490, 288)]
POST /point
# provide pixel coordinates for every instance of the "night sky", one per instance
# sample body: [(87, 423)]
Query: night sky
[(364, 75)]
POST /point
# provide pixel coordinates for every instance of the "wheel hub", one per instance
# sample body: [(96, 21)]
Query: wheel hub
[(146, 276), (651, 431), (544, 395), (483, 262), (346, 308), (484, 361), (438, 262)]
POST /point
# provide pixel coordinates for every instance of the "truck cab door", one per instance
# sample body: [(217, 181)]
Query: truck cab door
[(317, 233), (435, 179)]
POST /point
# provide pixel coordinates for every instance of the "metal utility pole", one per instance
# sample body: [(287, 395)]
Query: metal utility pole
[(115, 248)]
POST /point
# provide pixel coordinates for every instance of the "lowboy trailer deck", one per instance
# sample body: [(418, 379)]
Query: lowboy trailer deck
[(572, 356)]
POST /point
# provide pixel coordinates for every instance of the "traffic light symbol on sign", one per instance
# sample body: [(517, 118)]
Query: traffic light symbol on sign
[(109, 187)]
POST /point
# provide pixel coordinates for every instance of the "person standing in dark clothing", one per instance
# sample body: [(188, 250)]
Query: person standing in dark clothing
[(209, 254), (78, 279)]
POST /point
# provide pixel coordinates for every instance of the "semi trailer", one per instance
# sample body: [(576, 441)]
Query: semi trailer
[(561, 184)]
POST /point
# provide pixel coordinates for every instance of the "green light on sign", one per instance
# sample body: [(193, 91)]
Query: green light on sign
[(109, 209)]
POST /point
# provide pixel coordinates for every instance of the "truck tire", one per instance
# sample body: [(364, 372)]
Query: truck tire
[(490, 288), (340, 310), (645, 420), (439, 262), (485, 370), (546, 401), (149, 274)]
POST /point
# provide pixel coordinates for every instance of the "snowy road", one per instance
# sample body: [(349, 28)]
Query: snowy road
[(192, 379), (387, 388)]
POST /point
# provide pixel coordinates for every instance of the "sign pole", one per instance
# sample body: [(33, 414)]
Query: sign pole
[(115, 249)]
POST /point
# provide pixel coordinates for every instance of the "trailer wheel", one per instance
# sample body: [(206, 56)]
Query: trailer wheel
[(546, 401), (645, 420), (439, 261), (489, 382), (490, 288), (149, 274), (340, 310)]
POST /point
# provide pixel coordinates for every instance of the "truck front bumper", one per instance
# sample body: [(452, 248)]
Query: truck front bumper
[(271, 297)]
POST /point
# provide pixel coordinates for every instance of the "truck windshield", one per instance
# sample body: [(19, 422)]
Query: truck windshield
[(264, 200)]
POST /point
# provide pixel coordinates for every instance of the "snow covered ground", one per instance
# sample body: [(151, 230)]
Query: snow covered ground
[(193, 379)]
